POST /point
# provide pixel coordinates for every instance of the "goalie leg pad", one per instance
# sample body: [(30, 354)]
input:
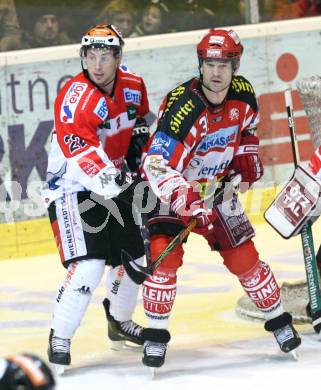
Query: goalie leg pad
[(74, 296)]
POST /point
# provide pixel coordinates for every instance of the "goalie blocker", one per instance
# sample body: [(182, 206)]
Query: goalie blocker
[(298, 203), (293, 211)]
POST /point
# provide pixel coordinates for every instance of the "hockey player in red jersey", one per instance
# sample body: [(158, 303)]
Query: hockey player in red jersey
[(207, 129), (100, 125)]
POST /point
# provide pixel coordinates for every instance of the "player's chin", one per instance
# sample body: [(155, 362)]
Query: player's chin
[(100, 82)]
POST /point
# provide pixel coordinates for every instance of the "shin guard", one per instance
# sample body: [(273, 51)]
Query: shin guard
[(261, 287)]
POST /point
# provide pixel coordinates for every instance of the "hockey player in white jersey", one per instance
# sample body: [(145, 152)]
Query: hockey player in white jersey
[(99, 127)]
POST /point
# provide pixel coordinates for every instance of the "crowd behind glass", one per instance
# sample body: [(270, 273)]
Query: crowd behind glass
[(39, 23)]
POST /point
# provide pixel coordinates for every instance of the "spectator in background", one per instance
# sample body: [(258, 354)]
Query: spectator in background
[(153, 20), (45, 31), (271, 10), (309, 7), (202, 14), (120, 13), (10, 36), (194, 15)]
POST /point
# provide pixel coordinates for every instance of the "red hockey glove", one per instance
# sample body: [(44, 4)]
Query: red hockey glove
[(188, 205), (247, 161)]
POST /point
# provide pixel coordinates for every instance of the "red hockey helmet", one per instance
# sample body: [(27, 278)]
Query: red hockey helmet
[(220, 44)]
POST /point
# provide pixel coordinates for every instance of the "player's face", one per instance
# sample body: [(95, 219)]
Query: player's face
[(217, 74), (102, 66)]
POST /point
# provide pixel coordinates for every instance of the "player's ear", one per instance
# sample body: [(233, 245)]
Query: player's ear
[(236, 66)]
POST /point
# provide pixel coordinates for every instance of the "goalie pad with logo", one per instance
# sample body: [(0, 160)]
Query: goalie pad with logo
[(298, 203)]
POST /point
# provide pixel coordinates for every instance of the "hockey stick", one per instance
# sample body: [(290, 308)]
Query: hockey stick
[(139, 273), (306, 232)]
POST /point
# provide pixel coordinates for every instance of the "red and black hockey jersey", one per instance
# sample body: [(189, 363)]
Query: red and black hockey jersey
[(194, 140)]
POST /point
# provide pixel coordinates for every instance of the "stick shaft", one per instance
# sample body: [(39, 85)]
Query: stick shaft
[(292, 127)]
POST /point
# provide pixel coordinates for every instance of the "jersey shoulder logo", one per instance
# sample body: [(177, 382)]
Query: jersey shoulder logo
[(71, 101), (182, 108), (132, 96), (242, 90), (101, 109)]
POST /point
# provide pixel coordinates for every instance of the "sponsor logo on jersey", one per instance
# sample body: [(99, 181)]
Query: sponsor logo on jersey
[(71, 100), (220, 139), (213, 170), (131, 112), (162, 144), (132, 96), (180, 115), (101, 110), (234, 114), (196, 162), (91, 164), (174, 95), (240, 85)]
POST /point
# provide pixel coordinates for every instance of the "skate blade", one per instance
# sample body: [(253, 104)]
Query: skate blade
[(124, 345), (152, 372), (58, 369), (295, 355)]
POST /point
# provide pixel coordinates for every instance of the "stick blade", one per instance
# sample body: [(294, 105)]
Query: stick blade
[(127, 261)]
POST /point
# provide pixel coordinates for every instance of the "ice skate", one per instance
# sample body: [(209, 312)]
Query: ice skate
[(285, 334), (154, 354), (58, 353), (155, 348), (124, 335)]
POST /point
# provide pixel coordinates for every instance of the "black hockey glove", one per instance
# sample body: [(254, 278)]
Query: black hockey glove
[(139, 140)]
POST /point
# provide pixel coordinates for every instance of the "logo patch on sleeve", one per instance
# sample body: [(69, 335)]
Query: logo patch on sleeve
[(132, 96), (91, 164), (163, 144), (71, 101), (101, 110)]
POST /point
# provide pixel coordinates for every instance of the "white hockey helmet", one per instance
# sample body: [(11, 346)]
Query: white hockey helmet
[(102, 36)]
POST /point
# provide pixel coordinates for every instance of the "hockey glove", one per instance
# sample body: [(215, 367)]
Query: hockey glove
[(138, 141), (247, 161), (187, 204), (123, 177)]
